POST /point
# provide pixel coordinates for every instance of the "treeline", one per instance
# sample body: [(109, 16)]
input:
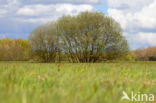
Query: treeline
[(86, 37), (14, 50), (20, 50), (147, 54)]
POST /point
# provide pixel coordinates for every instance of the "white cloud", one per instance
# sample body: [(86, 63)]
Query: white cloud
[(146, 38), (26, 11), (39, 20), (22, 16), (44, 13), (130, 5), (147, 16), (35, 10), (2, 11), (136, 18), (61, 1), (38, 10)]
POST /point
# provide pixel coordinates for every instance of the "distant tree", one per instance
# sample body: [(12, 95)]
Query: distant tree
[(145, 54), (14, 49), (44, 42), (152, 58), (22, 49), (90, 36)]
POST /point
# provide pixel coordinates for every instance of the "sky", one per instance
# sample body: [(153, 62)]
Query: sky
[(136, 17)]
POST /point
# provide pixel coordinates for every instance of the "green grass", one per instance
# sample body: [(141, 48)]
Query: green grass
[(24, 82)]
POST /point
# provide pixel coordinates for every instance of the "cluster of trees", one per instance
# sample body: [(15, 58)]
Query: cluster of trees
[(87, 37), (147, 54), (21, 50), (17, 49)]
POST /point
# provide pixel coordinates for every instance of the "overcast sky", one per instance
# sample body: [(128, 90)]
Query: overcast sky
[(137, 17)]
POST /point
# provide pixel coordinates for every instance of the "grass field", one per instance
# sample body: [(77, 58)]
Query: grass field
[(24, 82)]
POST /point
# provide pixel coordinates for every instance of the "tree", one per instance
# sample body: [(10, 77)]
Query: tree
[(145, 54), (87, 37), (90, 36), (44, 42), (14, 49)]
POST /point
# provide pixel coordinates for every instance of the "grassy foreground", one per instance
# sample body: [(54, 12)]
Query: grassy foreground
[(23, 82)]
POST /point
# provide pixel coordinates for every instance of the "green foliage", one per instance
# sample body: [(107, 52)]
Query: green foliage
[(87, 37), (44, 42), (14, 49), (130, 56), (90, 36), (23, 82)]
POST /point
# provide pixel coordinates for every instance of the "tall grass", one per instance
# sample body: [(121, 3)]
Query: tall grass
[(23, 82)]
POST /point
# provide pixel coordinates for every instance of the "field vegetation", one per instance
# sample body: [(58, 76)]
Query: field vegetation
[(24, 82)]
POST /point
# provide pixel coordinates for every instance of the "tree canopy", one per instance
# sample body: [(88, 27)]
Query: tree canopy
[(86, 37), (17, 49)]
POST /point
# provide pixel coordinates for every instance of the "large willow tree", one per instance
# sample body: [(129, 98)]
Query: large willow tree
[(91, 36), (87, 37)]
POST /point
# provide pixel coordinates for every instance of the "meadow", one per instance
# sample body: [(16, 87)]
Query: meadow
[(25, 82)]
